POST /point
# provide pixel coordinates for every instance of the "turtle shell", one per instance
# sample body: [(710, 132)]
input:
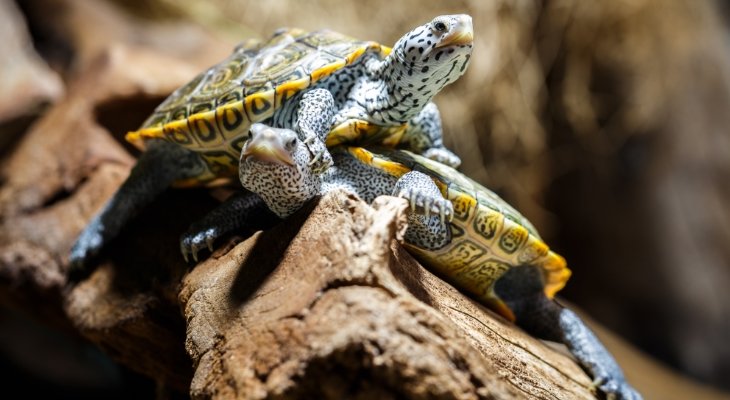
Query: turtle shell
[(488, 235), (211, 114)]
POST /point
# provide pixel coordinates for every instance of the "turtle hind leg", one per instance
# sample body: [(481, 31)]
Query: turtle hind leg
[(521, 288), (425, 136), (244, 209), (314, 119), (160, 165), (428, 226)]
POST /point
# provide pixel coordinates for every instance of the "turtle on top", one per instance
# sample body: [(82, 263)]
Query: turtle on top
[(460, 229), (377, 95)]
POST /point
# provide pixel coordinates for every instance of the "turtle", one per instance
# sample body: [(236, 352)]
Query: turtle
[(377, 94), (461, 230)]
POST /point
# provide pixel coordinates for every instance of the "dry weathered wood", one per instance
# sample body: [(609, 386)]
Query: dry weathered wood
[(62, 172), (329, 307), (65, 168)]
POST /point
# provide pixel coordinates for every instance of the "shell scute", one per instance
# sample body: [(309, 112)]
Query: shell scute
[(211, 114), (488, 235), (178, 132), (488, 223)]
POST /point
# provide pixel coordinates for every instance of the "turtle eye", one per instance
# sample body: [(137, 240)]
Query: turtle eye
[(440, 26), (250, 135), (291, 143)]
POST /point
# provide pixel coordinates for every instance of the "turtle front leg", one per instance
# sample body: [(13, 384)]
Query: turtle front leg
[(521, 288), (160, 165), (314, 119), (428, 221), (424, 135), (241, 210)]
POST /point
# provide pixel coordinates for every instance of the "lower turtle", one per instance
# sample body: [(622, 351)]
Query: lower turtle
[(368, 92), (460, 229)]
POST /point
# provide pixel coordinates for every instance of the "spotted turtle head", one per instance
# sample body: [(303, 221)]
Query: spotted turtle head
[(275, 164), (434, 54)]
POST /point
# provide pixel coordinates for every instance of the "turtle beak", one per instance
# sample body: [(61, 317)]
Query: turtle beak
[(461, 32), (267, 146)]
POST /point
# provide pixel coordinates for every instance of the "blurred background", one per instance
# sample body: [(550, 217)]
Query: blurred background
[(605, 122)]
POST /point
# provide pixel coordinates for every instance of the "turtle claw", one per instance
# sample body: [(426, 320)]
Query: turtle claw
[(195, 240), (427, 205), (443, 208), (446, 214), (423, 196), (315, 159), (321, 158)]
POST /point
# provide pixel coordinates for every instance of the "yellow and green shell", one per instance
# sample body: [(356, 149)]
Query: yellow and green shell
[(211, 114), (488, 235)]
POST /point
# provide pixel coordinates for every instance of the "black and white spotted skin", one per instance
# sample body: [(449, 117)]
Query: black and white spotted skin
[(280, 174), (427, 224), (276, 166), (398, 89), (276, 163), (279, 171), (314, 117), (421, 64)]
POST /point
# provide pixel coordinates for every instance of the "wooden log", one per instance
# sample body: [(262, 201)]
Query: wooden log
[(328, 305)]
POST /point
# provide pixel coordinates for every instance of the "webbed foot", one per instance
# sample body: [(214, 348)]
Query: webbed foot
[(443, 155), (192, 241), (423, 196), (243, 210)]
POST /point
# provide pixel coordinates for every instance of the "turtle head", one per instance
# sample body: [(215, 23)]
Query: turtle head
[(275, 164), (434, 54)]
